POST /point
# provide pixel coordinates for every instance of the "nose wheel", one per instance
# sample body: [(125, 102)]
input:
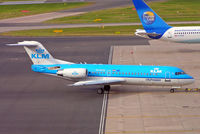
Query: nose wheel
[(102, 90), (172, 90)]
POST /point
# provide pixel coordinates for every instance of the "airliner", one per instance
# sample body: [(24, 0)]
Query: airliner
[(156, 28), (103, 74)]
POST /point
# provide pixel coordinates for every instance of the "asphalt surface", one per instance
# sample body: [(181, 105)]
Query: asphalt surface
[(31, 103)]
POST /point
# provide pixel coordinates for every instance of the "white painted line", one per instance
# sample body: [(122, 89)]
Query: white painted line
[(103, 114), (105, 100), (110, 55)]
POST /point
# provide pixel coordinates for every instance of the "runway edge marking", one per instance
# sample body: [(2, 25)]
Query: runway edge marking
[(105, 101)]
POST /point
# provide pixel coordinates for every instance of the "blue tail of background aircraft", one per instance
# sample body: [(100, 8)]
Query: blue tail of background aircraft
[(151, 22)]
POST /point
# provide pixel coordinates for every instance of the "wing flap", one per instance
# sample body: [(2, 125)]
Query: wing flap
[(98, 82)]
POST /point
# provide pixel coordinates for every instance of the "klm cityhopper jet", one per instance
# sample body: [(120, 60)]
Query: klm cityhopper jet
[(104, 75), (156, 28)]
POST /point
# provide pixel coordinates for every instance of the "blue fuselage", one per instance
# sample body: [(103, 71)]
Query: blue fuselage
[(125, 71)]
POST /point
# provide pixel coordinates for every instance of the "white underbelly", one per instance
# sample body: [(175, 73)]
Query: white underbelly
[(148, 81), (153, 82)]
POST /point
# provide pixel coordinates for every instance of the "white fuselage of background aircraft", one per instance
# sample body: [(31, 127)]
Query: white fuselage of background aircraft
[(182, 34)]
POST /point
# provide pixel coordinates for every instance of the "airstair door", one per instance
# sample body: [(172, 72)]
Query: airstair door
[(167, 77), (169, 35)]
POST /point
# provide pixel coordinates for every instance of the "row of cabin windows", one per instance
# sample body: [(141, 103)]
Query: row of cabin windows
[(188, 33), (123, 73)]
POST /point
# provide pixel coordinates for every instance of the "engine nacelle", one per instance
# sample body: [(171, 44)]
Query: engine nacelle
[(73, 73)]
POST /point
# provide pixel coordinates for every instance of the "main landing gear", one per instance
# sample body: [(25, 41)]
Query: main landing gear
[(172, 90), (102, 90)]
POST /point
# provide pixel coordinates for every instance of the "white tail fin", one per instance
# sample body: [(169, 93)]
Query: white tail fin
[(38, 54)]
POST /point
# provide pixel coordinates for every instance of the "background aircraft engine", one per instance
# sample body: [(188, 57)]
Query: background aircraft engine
[(73, 73)]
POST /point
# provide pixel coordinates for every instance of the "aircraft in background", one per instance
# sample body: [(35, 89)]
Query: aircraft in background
[(156, 28), (103, 74)]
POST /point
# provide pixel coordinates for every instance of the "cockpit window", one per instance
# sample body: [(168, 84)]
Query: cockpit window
[(180, 73)]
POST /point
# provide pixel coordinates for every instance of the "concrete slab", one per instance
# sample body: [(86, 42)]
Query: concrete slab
[(150, 110)]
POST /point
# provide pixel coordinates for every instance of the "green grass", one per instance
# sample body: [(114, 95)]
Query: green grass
[(94, 31), (171, 10), (87, 31), (9, 11)]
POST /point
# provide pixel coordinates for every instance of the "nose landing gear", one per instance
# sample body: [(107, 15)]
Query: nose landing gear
[(102, 90), (172, 90)]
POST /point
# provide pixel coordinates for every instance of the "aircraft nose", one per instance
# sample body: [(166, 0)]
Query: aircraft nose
[(190, 80)]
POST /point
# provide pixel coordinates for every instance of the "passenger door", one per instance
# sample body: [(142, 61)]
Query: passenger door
[(169, 35), (167, 77)]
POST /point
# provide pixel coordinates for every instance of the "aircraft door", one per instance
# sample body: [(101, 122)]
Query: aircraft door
[(167, 77), (169, 35)]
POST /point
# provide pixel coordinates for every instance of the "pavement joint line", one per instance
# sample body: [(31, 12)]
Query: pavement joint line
[(111, 55), (103, 114), (170, 116), (160, 131), (105, 101)]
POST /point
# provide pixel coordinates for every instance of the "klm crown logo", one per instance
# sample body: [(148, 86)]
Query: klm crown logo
[(39, 51), (74, 73), (39, 54)]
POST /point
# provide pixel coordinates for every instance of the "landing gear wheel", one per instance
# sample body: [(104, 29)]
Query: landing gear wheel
[(172, 90), (100, 91), (106, 87)]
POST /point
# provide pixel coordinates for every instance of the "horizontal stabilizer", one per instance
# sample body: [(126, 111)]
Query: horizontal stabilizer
[(25, 43), (104, 81), (143, 33), (150, 34), (29, 45)]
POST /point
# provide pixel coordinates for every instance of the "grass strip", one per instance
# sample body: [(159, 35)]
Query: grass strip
[(10, 11), (86, 31), (171, 10)]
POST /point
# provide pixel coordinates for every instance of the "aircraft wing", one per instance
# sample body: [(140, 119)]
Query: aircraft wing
[(105, 81)]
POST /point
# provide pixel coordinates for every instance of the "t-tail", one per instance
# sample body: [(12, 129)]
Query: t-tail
[(38, 54), (153, 24)]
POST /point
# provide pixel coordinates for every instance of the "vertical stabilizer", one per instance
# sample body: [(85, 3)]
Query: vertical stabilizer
[(38, 54), (151, 22)]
